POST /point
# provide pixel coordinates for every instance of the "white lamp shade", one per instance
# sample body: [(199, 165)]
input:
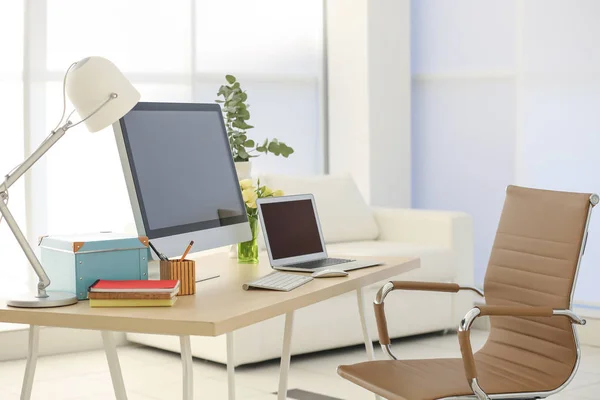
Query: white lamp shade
[(90, 83)]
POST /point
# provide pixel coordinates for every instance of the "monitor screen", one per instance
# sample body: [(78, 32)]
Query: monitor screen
[(181, 166), (292, 229)]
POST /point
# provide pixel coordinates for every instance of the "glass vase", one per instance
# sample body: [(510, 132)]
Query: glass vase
[(248, 251)]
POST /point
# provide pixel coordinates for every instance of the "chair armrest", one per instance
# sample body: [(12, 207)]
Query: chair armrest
[(528, 311), (464, 333), (382, 328)]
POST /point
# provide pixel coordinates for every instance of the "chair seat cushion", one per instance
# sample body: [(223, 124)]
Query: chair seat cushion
[(442, 377)]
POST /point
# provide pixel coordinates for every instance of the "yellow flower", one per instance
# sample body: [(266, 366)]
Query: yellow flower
[(249, 195), (252, 204), (278, 193), (246, 183), (267, 192)]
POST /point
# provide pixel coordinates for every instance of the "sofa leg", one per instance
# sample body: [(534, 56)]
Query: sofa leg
[(360, 297)]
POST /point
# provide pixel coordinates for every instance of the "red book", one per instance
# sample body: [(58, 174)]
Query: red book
[(135, 286)]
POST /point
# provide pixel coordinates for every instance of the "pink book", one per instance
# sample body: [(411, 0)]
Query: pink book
[(149, 286)]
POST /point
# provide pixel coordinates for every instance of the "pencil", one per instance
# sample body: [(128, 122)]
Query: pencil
[(187, 251)]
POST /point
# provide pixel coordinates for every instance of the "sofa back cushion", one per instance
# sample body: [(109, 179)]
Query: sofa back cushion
[(344, 214)]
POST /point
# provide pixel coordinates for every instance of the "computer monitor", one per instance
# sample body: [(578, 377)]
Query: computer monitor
[(180, 176)]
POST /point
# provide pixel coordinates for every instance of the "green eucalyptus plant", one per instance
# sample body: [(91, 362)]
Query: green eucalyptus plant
[(236, 115)]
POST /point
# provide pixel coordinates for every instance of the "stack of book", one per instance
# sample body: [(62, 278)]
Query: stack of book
[(105, 293)]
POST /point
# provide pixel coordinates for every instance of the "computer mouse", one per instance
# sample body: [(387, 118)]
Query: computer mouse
[(329, 273)]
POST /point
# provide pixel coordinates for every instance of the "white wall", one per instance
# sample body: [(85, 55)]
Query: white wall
[(506, 92), (368, 46), (559, 125), (463, 55)]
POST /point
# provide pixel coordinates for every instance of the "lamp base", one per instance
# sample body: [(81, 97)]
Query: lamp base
[(54, 299)]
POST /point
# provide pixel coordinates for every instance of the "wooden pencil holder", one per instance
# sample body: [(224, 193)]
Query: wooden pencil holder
[(183, 271)]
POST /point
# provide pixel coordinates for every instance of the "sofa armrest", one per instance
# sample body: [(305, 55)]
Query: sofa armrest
[(425, 227), (448, 229)]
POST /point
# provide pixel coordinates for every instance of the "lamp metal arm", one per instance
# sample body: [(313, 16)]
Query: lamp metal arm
[(19, 171), (44, 280), (54, 137), (34, 157)]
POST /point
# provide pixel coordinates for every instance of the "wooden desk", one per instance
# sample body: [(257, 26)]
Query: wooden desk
[(220, 306)]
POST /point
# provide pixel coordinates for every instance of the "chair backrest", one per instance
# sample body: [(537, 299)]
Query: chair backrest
[(534, 262)]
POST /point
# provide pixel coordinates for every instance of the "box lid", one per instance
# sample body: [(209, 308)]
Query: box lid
[(92, 242)]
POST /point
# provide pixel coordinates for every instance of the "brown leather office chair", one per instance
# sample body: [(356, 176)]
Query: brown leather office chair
[(532, 350)]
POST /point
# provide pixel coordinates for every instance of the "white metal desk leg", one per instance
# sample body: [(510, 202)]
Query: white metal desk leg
[(360, 297), (188, 367), (286, 355), (230, 366), (110, 349), (32, 353)]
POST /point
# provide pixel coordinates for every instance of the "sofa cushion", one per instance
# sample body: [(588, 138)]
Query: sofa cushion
[(437, 263), (344, 214)]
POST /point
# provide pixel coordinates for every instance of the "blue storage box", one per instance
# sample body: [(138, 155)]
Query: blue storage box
[(75, 262)]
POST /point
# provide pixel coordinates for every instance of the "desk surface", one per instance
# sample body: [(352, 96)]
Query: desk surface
[(219, 306)]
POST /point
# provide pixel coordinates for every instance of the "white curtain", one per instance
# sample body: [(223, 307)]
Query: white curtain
[(178, 50), (506, 92), (11, 136)]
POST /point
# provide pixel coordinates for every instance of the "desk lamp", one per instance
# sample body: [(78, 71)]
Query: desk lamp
[(101, 95)]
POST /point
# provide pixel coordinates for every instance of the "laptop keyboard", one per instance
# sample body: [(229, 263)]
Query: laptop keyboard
[(320, 263)]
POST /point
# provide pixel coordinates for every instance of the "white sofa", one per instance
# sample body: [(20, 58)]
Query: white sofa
[(442, 240)]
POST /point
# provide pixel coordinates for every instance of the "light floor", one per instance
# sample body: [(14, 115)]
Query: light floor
[(156, 375)]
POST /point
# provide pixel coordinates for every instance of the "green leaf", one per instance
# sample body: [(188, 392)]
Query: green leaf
[(249, 143), (221, 91), (219, 101), (224, 91), (236, 85), (241, 124), (244, 96), (274, 148), (230, 79), (286, 151), (242, 153)]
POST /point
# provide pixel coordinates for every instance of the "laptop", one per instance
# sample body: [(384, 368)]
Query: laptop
[(294, 237)]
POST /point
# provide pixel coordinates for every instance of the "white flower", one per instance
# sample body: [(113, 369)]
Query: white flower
[(249, 195), (246, 183)]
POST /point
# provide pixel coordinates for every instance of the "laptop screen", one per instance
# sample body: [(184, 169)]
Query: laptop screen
[(292, 228)]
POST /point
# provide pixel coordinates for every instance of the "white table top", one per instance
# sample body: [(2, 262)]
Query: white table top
[(219, 306)]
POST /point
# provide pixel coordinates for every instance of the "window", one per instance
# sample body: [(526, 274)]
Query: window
[(171, 51), (11, 139)]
